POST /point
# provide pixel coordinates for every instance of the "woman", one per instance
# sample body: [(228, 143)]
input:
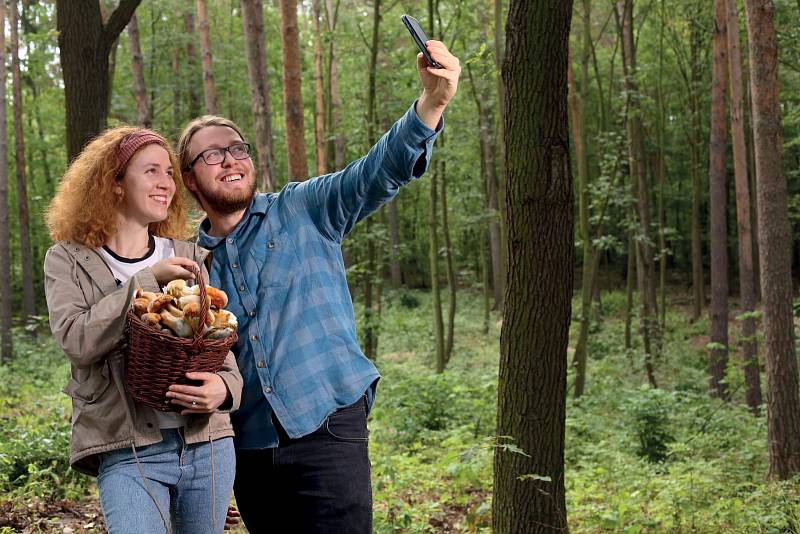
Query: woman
[(115, 220)]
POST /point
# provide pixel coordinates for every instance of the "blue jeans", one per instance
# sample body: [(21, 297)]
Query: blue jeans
[(316, 484), (171, 482)]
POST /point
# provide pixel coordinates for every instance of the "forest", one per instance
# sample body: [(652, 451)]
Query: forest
[(584, 312)]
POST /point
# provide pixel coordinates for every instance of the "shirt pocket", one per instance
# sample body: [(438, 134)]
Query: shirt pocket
[(275, 260), (91, 389)]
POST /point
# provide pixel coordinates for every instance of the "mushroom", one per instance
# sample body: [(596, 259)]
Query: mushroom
[(151, 319), (185, 300), (141, 293), (177, 288), (161, 301), (225, 319), (219, 333), (219, 299), (192, 315), (178, 325), (140, 306)]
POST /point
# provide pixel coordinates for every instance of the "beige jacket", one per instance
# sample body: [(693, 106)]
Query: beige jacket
[(87, 317)]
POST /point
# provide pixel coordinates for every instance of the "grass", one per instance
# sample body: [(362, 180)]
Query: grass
[(637, 459)]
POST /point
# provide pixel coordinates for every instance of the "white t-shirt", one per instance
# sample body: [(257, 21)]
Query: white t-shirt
[(122, 269)]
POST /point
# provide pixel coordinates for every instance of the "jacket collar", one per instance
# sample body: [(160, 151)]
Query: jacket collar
[(94, 265)]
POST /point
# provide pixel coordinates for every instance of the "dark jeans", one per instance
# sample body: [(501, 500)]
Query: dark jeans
[(318, 484)]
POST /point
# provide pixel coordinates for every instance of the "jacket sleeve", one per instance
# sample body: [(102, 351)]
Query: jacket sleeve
[(337, 201), (85, 331)]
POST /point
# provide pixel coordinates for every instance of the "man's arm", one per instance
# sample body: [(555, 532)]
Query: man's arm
[(337, 201)]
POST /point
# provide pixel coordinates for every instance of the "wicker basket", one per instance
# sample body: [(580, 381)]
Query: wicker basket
[(156, 360)]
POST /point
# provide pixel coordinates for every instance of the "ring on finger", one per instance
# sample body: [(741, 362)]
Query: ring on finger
[(194, 402)]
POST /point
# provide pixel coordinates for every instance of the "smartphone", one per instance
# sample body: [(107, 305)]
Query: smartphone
[(420, 38)]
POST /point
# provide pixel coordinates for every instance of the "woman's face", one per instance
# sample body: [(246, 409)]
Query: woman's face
[(147, 186)]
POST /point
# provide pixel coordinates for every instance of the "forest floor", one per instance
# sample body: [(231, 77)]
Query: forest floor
[(638, 459)]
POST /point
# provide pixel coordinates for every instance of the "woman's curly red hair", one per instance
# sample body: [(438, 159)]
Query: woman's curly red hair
[(85, 206)]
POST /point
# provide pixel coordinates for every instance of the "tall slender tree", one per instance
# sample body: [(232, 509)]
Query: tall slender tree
[(84, 41), (253, 22), (334, 120), (191, 80), (26, 250), (747, 281), (718, 231), (6, 346), (143, 115), (645, 273), (783, 397), (293, 92), (529, 494), (319, 89), (209, 87)]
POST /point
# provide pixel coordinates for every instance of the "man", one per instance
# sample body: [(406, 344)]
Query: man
[(301, 432)]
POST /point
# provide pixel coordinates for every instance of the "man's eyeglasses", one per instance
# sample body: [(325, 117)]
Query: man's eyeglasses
[(215, 156)]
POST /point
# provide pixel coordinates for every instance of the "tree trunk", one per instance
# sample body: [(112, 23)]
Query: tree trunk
[(209, 88), (718, 202), (191, 61), (629, 282), (293, 92), (747, 287), (137, 66), (660, 172), (499, 185), (451, 275), (533, 343), (335, 109), (26, 250), (394, 235), (84, 42), (578, 135), (783, 404), (645, 273), (253, 22), (6, 347), (319, 108), (698, 284)]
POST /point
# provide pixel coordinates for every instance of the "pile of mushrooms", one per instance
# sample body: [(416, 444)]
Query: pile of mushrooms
[(176, 311)]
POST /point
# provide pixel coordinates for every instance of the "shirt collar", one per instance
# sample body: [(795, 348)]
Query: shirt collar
[(258, 205)]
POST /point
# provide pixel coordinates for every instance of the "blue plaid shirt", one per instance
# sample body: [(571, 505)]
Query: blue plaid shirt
[(283, 271)]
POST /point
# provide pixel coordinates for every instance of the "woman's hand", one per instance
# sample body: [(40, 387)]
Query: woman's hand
[(199, 399), (169, 269)]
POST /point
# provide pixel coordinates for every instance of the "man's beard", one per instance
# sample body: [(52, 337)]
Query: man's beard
[(225, 204)]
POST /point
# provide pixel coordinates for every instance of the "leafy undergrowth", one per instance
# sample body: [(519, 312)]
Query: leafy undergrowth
[(638, 459)]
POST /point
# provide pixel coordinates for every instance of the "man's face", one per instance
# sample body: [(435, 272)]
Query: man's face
[(226, 187)]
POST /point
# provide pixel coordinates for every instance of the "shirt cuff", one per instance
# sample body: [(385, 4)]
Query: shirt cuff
[(418, 132)]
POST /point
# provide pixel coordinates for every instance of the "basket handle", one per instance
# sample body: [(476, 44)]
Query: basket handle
[(199, 341)]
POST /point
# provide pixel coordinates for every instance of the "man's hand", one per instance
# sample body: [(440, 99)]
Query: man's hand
[(440, 85), (199, 399)]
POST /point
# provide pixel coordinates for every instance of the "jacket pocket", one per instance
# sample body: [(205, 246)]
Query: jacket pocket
[(91, 389)]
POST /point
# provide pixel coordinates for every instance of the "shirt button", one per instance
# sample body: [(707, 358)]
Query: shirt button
[(254, 337), (270, 244), (267, 389), (241, 287), (230, 240), (252, 313), (235, 265), (260, 364)]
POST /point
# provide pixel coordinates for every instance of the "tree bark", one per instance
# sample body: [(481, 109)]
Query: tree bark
[(645, 273), (84, 42), (747, 286), (293, 92), (319, 108), (253, 22), (335, 108), (6, 346), (191, 61), (26, 250), (783, 402), (718, 231), (578, 135), (533, 343), (209, 87), (143, 116)]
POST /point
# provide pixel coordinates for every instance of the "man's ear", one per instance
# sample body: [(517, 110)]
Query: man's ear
[(189, 181)]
